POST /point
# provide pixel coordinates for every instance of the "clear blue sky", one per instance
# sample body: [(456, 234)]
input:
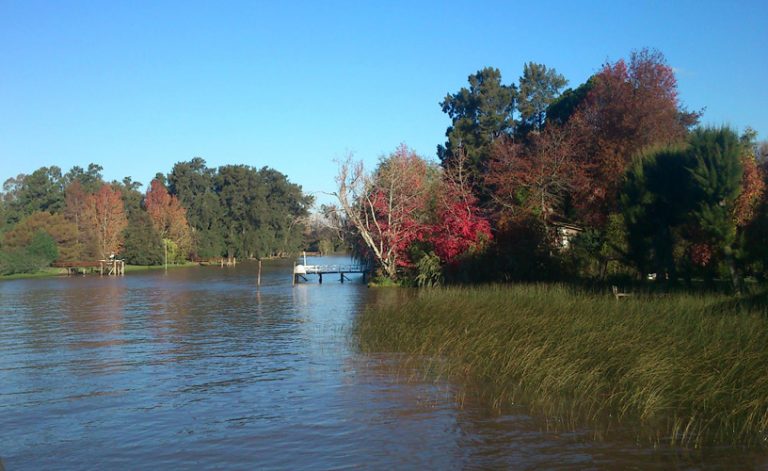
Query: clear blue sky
[(138, 86)]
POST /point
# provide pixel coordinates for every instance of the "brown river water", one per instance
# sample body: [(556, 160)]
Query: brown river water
[(198, 368)]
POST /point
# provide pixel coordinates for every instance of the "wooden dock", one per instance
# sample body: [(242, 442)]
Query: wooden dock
[(300, 272), (220, 261)]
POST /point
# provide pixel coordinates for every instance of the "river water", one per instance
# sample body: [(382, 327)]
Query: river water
[(199, 368)]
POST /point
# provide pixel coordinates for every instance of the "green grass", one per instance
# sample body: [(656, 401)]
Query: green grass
[(45, 272), (129, 268), (382, 282), (677, 369), (50, 271)]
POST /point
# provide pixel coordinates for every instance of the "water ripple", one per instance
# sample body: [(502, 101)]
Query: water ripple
[(199, 368)]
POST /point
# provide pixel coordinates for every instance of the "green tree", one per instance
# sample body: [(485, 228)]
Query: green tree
[(288, 209), (90, 180), (242, 199), (717, 172), (74, 210), (193, 184), (43, 190), (656, 200), (17, 261), (538, 88), (142, 244), (479, 115), (130, 194), (240, 211), (39, 252), (43, 247), (563, 107)]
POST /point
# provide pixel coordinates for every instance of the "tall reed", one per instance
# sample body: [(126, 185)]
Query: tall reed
[(681, 369)]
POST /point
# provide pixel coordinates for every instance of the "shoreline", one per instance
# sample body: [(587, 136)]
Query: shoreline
[(50, 272)]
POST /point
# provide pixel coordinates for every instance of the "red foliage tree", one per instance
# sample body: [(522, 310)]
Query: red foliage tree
[(387, 209), (104, 217), (532, 179), (630, 107), (460, 227)]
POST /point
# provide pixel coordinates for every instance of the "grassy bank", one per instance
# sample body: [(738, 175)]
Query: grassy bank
[(50, 271), (678, 369), (129, 268), (45, 272)]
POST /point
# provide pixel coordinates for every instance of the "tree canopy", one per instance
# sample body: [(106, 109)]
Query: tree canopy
[(479, 115), (235, 210)]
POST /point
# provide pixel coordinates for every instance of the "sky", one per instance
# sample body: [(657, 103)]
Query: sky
[(297, 86)]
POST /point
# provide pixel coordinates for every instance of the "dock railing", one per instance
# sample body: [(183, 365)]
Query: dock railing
[(300, 271)]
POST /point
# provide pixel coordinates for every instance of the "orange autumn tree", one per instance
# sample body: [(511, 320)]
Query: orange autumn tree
[(104, 217), (62, 231), (753, 187), (169, 218), (631, 107)]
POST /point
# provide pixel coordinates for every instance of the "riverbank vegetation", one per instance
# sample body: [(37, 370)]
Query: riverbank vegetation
[(687, 369), (612, 179), (611, 184), (192, 213)]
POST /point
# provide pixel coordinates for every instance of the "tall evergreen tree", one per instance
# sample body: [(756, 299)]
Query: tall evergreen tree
[(91, 179), (193, 184), (564, 106), (479, 115), (539, 87), (656, 201), (42, 190), (142, 244), (717, 173)]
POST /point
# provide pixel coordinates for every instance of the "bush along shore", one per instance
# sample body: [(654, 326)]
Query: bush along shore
[(677, 370)]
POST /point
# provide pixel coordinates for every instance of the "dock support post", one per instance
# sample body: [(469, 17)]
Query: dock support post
[(258, 277), (321, 278)]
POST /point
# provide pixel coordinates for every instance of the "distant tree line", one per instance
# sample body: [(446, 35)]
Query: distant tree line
[(608, 179), (193, 212)]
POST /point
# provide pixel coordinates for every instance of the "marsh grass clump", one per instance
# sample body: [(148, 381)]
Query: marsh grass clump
[(677, 369)]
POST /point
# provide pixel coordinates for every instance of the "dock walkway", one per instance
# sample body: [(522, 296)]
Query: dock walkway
[(301, 271)]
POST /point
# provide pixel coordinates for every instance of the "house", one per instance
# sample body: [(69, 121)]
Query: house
[(565, 233)]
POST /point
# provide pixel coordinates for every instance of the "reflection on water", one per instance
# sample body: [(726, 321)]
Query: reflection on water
[(199, 368)]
